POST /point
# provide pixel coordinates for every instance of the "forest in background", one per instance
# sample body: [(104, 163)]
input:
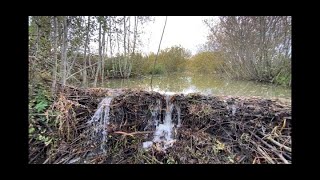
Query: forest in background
[(250, 48)]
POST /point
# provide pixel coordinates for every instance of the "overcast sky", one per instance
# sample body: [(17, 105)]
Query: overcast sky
[(188, 31)]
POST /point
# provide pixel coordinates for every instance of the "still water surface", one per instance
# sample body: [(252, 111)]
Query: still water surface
[(198, 83)]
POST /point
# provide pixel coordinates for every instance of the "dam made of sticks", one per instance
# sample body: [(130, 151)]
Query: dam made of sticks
[(129, 126)]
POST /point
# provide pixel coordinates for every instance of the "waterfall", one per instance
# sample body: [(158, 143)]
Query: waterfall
[(99, 122), (164, 132)]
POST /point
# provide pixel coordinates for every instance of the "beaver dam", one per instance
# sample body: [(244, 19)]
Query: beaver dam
[(125, 126)]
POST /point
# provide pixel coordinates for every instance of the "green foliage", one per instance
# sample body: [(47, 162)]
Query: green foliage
[(283, 79), (31, 130), (148, 62), (171, 160), (218, 146), (41, 106), (40, 33), (39, 101), (206, 62), (45, 139), (159, 69), (170, 60), (141, 64), (173, 59)]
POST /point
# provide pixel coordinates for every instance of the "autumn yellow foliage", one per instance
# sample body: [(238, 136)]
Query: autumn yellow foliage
[(206, 62)]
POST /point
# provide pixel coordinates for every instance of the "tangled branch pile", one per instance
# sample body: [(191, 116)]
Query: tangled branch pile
[(213, 129)]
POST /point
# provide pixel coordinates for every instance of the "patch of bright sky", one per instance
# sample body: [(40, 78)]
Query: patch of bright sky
[(187, 31)]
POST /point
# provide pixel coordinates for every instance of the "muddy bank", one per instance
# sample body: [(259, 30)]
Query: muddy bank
[(136, 126)]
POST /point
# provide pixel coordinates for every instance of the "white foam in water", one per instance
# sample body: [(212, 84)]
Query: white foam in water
[(163, 133), (147, 144), (156, 89), (191, 89), (234, 109)]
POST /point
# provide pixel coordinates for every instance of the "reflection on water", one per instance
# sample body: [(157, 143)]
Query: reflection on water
[(205, 84)]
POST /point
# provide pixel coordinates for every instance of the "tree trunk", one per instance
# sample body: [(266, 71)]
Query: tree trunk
[(124, 47), (134, 42), (84, 81), (38, 40), (73, 61), (124, 35), (100, 58), (119, 58), (61, 50), (64, 52), (91, 70), (128, 69), (110, 43), (155, 61), (135, 33), (128, 42), (103, 50), (55, 54)]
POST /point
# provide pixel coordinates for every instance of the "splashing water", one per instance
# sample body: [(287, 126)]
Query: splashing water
[(164, 131), (234, 109), (100, 120), (163, 134), (147, 144), (155, 111)]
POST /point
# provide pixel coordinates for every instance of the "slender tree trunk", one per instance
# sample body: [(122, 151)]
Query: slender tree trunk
[(103, 50), (106, 57), (100, 58), (65, 47), (73, 61), (124, 35), (84, 81), (155, 61), (119, 58), (124, 47), (134, 42), (135, 33), (118, 41), (38, 40), (129, 60), (91, 70), (110, 43), (120, 66), (128, 42), (61, 49), (55, 39)]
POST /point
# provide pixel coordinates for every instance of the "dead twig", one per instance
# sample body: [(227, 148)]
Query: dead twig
[(205, 128), (36, 155), (264, 154), (275, 142), (133, 133), (273, 148)]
